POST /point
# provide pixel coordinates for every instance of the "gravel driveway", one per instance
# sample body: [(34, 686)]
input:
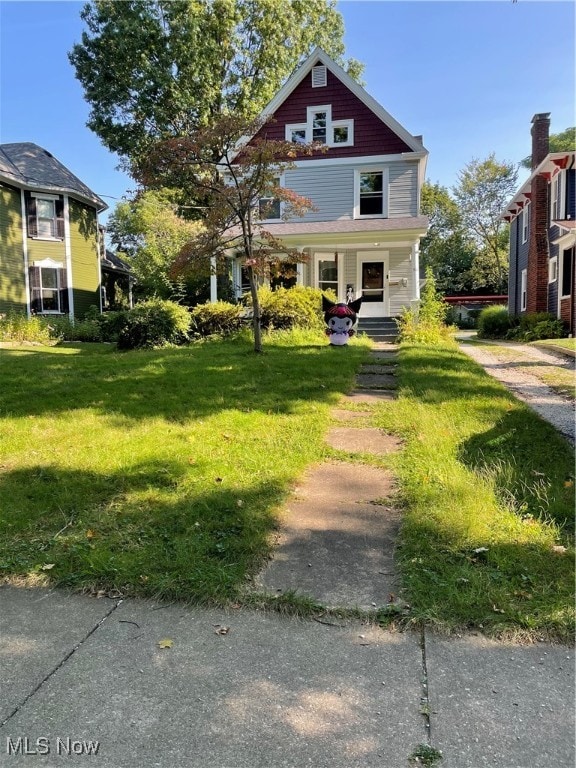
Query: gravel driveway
[(559, 410)]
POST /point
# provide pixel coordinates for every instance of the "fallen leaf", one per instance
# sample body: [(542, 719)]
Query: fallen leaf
[(90, 533), (497, 610), (239, 503), (559, 549), (568, 483), (48, 567), (165, 643), (217, 479), (191, 460), (220, 630)]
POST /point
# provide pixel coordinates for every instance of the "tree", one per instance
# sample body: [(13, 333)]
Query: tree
[(565, 141), (484, 187), (149, 232), (238, 189), (155, 69), (446, 248)]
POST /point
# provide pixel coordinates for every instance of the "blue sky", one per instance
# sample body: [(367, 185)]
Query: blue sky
[(467, 75)]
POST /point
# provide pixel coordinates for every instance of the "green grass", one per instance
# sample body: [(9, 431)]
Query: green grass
[(488, 492), (563, 343), (157, 473)]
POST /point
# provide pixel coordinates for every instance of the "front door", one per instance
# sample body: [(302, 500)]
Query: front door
[(372, 288)]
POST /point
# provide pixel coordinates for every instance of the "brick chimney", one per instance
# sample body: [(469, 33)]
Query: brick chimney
[(537, 288)]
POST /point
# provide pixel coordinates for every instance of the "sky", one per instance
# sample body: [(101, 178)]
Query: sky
[(466, 75)]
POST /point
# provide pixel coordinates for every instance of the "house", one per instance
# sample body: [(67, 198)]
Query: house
[(542, 277), (49, 237), (363, 238)]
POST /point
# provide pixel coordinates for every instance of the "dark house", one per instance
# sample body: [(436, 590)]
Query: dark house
[(542, 276)]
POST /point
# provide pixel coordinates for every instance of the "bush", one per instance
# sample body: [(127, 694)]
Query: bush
[(18, 328), (536, 325), (494, 322), (220, 318), (297, 307), (154, 323), (427, 325)]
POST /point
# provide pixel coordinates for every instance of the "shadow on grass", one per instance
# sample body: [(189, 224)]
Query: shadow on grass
[(531, 464), (174, 384), (512, 588), (136, 532), (437, 375)]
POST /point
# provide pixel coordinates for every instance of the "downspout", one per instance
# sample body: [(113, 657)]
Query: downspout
[(68, 252), (25, 254), (415, 259)]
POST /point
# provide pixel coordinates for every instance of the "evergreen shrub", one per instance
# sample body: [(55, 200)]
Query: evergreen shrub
[(154, 323)]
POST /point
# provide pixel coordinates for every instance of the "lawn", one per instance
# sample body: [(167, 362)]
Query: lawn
[(157, 473), (488, 492), (160, 473)]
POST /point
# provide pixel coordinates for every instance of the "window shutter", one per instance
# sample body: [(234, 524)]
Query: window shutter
[(35, 297), (64, 305), (31, 215), (59, 210), (318, 76)]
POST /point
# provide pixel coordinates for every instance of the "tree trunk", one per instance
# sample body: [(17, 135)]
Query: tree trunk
[(256, 327)]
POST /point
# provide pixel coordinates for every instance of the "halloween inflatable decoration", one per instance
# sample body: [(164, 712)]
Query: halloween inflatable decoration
[(340, 320)]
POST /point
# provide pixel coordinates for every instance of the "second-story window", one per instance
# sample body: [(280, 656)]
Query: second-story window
[(525, 222), (269, 207), (45, 217), (371, 194)]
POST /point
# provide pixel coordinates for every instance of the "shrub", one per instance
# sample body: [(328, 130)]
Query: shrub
[(427, 325), (297, 307), (154, 323), (19, 328), (536, 325), (494, 322), (220, 318)]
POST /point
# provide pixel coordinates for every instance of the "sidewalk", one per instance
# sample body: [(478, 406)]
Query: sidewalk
[(85, 681)]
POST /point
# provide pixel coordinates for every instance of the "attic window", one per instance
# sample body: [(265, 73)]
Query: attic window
[(319, 76)]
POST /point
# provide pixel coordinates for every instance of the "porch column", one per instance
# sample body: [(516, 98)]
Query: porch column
[(213, 281), (415, 259)]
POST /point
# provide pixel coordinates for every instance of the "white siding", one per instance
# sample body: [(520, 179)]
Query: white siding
[(403, 197), (330, 189), (399, 267)]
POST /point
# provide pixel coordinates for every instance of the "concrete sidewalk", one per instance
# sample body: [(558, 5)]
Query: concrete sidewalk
[(79, 673), (137, 684)]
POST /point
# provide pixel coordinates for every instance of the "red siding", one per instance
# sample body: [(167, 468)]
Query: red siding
[(371, 135)]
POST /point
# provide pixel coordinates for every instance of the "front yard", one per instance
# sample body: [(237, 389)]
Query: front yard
[(160, 473)]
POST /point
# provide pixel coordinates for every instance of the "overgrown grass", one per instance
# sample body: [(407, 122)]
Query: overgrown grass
[(488, 491), (157, 472)]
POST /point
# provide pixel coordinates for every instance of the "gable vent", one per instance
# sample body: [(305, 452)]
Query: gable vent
[(318, 76)]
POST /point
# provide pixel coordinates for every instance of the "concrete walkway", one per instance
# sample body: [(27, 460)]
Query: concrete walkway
[(113, 683)]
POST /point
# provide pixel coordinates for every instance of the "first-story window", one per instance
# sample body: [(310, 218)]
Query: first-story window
[(553, 270), (48, 292), (567, 272), (371, 194), (327, 273), (523, 289)]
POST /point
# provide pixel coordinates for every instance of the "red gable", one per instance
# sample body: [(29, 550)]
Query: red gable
[(371, 135)]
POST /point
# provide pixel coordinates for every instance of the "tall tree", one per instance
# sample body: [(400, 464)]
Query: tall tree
[(239, 189), (447, 249), (149, 232), (154, 69), (565, 141), (483, 189)]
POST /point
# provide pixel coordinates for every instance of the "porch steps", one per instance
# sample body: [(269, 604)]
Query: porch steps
[(378, 328)]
